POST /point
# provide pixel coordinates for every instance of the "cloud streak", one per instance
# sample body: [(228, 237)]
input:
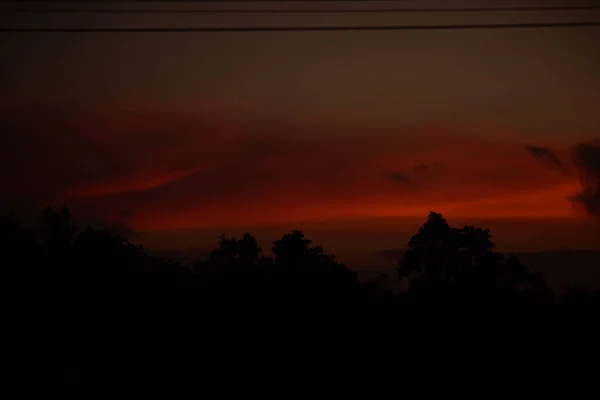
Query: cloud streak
[(546, 156), (587, 161), (398, 177), (156, 170), (127, 184)]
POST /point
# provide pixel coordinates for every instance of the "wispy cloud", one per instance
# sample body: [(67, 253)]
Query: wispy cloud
[(176, 170), (398, 177), (587, 160), (127, 184), (546, 156)]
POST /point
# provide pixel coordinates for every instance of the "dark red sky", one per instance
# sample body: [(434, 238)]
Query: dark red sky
[(171, 133)]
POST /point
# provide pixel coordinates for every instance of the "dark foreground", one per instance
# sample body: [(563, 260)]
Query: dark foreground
[(94, 311)]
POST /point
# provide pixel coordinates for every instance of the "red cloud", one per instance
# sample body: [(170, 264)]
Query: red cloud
[(177, 170), (127, 184)]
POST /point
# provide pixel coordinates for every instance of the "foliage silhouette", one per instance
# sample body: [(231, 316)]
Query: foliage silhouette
[(56, 232), (96, 297), (232, 252), (298, 276), (441, 262), (460, 265)]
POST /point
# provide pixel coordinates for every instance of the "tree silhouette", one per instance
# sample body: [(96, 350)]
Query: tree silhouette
[(22, 260), (18, 247), (312, 271), (236, 253), (103, 258), (56, 232), (430, 253), (450, 262), (293, 250), (581, 298), (95, 295)]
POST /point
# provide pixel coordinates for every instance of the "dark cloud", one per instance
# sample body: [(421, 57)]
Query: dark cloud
[(545, 156), (43, 155), (398, 177), (587, 160), (174, 172), (422, 172)]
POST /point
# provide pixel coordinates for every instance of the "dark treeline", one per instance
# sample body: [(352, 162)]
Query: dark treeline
[(82, 300)]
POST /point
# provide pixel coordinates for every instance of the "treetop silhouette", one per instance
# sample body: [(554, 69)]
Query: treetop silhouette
[(451, 261)]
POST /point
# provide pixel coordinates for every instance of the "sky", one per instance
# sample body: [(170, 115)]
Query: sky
[(355, 137)]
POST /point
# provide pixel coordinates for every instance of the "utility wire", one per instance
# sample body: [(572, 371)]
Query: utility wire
[(307, 28), (214, 2), (293, 11), (218, 1)]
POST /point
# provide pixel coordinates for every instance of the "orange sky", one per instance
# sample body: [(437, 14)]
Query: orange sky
[(165, 134), (158, 170), (211, 172)]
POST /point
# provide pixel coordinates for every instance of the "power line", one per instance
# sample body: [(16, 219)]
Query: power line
[(217, 2), (213, 1), (306, 28), (296, 11)]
